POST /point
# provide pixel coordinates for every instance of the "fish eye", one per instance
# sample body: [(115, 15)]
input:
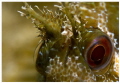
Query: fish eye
[(98, 50), (100, 53)]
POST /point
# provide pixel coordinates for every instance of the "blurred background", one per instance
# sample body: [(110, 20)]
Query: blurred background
[(19, 40)]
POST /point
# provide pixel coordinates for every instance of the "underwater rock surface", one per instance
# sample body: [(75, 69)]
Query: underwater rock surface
[(79, 42)]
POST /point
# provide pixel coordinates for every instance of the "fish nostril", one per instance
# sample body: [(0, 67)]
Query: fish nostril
[(98, 54)]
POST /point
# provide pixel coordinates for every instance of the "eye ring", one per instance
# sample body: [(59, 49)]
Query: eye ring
[(99, 53)]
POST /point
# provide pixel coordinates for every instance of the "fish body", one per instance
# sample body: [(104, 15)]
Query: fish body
[(77, 42)]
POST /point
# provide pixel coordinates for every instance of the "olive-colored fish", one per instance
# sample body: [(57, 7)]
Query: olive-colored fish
[(77, 41)]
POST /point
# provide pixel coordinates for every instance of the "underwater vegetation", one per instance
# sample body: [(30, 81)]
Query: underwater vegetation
[(77, 41)]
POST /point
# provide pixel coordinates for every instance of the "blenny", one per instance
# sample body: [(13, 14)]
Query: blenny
[(77, 42)]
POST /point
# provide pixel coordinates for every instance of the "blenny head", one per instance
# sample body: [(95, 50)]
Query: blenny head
[(75, 43)]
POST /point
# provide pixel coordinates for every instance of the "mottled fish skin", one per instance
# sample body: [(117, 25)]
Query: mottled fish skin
[(60, 59)]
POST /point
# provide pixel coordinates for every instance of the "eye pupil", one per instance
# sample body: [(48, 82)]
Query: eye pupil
[(98, 54)]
